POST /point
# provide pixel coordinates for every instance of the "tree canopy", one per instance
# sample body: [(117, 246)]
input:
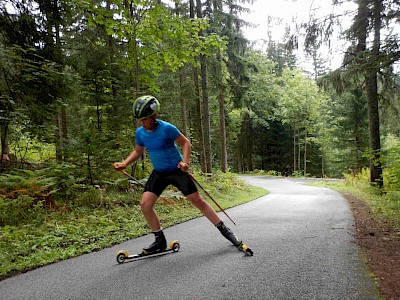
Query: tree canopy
[(71, 69)]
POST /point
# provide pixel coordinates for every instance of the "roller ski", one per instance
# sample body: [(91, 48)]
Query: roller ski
[(159, 247), (244, 248), (233, 238), (123, 256)]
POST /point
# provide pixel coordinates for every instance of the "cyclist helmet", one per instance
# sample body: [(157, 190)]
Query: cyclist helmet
[(145, 106)]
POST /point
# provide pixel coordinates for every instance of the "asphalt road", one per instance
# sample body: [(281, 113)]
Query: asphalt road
[(303, 244)]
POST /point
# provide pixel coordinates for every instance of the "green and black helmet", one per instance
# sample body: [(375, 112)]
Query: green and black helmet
[(145, 106)]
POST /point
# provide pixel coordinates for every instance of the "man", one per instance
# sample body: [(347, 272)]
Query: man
[(170, 167)]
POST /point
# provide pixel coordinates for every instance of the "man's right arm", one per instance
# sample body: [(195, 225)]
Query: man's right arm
[(134, 156)]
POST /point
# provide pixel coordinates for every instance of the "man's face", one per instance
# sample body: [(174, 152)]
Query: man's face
[(147, 123)]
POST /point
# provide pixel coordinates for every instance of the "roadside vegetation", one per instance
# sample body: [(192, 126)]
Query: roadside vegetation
[(377, 226), (384, 204), (42, 225), (384, 201)]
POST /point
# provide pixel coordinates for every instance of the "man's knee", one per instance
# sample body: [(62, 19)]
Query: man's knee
[(147, 201), (144, 205), (197, 200)]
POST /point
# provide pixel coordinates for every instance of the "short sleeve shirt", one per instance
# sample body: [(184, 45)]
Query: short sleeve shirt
[(160, 144)]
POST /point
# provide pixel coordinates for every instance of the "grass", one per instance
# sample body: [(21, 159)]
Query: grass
[(71, 231), (385, 206)]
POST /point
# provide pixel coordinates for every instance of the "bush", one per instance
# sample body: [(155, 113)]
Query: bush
[(23, 195), (358, 180), (22, 210), (392, 170), (67, 178)]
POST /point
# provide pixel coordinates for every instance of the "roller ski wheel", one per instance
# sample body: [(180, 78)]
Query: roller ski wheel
[(244, 248), (123, 256)]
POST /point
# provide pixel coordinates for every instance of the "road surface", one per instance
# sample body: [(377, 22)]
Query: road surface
[(303, 243)]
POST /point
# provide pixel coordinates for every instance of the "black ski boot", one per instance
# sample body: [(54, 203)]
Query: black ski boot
[(159, 245), (228, 234)]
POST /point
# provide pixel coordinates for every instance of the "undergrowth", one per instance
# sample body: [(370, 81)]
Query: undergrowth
[(33, 234), (384, 204)]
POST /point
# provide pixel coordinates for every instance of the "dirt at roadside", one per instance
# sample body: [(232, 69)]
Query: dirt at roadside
[(381, 245)]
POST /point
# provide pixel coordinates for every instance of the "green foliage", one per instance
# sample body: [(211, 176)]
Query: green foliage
[(360, 179), (300, 100), (265, 173), (222, 182), (65, 235), (67, 179), (26, 182), (23, 196), (111, 51), (350, 132), (385, 205), (156, 37), (28, 147), (102, 218), (21, 210), (391, 156)]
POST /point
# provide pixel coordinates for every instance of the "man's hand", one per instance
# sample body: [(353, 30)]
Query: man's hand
[(119, 166), (183, 166)]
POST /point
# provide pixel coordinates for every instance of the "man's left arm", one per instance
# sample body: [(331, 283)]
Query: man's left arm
[(186, 149)]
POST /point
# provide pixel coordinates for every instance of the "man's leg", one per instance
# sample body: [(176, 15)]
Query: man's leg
[(204, 207), (210, 213), (147, 206)]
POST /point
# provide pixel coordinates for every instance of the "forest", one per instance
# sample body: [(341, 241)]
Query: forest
[(71, 69)]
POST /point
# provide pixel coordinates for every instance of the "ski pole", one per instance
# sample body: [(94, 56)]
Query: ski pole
[(137, 181), (216, 203)]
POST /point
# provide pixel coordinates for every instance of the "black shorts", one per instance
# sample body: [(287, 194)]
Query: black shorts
[(158, 182)]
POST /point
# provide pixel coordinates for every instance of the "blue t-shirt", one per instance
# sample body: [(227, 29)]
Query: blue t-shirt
[(160, 143)]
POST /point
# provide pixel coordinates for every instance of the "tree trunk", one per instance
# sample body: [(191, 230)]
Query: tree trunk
[(182, 100), (248, 144), (217, 7), (199, 119), (372, 95), (53, 23), (206, 107), (58, 136), (97, 95), (240, 163), (5, 151), (298, 152), (374, 131), (294, 150), (305, 153), (371, 67), (224, 159), (199, 122)]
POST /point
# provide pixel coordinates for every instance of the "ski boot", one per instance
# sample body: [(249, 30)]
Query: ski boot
[(159, 245), (234, 239), (228, 234)]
